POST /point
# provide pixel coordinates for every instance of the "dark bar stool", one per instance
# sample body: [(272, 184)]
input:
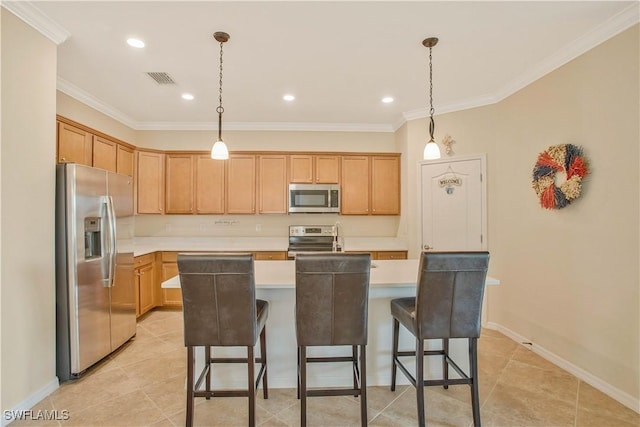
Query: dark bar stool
[(332, 299), (448, 305), (220, 309)]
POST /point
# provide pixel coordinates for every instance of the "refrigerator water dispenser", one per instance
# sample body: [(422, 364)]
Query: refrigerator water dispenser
[(92, 238)]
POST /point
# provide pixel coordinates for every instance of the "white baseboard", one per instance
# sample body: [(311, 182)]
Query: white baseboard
[(625, 398), (30, 401)]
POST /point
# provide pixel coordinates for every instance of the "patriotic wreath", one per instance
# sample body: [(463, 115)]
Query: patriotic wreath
[(559, 158)]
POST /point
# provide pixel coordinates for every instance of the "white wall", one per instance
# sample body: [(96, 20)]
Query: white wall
[(27, 176)]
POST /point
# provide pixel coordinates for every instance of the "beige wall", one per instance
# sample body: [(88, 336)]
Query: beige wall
[(569, 278), (28, 186), (75, 110)]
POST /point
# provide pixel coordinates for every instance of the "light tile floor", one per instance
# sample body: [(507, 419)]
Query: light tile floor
[(143, 385)]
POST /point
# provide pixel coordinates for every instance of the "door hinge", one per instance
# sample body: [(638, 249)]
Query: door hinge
[(480, 177), (481, 238)]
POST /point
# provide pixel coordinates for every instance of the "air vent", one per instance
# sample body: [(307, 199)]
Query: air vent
[(161, 78)]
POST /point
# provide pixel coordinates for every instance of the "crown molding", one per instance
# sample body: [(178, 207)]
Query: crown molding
[(268, 126), (598, 35), (33, 16), (93, 102)]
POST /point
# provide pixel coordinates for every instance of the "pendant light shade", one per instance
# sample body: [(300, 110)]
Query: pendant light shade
[(431, 150), (219, 151)]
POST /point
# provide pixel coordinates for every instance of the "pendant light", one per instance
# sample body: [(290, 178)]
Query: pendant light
[(431, 150), (219, 150)]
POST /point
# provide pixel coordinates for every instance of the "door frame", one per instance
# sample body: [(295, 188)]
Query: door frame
[(482, 157)]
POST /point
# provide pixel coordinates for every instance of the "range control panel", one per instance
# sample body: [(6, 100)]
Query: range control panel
[(311, 230)]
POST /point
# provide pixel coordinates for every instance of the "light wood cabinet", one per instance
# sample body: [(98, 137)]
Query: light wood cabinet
[(150, 188), (75, 145), (145, 283), (385, 185), (170, 297), (390, 255), (104, 154), (241, 184), (210, 185), (124, 160), (270, 256), (179, 183), (314, 169), (273, 184), (355, 185)]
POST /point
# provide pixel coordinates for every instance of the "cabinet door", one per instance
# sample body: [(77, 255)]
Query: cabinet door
[(273, 184), (209, 185), (170, 297), (104, 154), (241, 184), (327, 169), (391, 255), (270, 256), (74, 145), (124, 160), (150, 182), (146, 285), (385, 185), (179, 183), (355, 185), (301, 169)]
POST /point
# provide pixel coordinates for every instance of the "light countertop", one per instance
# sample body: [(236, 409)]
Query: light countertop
[(145, 245), (384, 273)]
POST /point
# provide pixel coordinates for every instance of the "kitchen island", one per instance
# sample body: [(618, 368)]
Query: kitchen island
[(275, 282)]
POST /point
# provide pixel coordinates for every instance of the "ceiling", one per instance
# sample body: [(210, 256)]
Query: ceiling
[(338, 58)]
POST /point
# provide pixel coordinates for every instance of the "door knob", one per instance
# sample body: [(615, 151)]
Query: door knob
[(427, 247)]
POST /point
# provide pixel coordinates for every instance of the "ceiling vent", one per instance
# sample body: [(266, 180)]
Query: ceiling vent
[(161, 78)]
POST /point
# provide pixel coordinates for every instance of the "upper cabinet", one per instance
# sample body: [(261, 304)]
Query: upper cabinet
[(273, 184), (79, 144), (241, 184), (75, 145), (179, 183), (209, 185), (370, 185), (150, 182), (314, 169)]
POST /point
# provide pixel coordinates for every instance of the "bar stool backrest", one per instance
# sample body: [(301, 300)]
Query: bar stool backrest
[(218, 299), (450, 292), (332, 299)]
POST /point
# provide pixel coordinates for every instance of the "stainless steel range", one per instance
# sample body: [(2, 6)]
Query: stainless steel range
[(312, 238)]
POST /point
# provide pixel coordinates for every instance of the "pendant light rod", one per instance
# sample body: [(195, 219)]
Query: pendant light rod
[(219, 150), (431, 150)]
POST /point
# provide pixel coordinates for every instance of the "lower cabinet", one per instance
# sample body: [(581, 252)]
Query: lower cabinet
[(170, 297), (145, 283), (391, 255)]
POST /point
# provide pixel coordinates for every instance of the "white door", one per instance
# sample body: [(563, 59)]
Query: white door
[(453, 204)]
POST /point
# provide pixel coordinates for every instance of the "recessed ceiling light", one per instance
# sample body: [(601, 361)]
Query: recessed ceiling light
[(187, 96), (288, 97), (135, 43), (387, 99)]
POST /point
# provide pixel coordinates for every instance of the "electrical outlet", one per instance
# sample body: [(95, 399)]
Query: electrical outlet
[(258, 227), (167, 228), (203, 228)]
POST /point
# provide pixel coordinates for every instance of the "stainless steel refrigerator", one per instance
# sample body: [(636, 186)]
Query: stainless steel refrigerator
[(95, 292)]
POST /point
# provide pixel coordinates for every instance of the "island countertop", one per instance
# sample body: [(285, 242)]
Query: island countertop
[(384, 273)]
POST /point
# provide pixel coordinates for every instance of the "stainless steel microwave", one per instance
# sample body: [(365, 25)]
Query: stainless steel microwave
[(314, 198)]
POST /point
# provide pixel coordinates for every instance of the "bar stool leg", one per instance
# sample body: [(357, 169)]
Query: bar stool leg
[(303, 385), (420, 381), (263, 356), (394, 353), (473, 367), (354, 358), (363, 385), (445, 364), (207, 361), (252, 386), (190, 379)]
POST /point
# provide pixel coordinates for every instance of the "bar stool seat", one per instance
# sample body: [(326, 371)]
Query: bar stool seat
[(448, 304), (220, 310)]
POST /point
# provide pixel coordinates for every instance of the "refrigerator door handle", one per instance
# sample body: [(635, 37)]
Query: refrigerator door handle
[(111, 221)]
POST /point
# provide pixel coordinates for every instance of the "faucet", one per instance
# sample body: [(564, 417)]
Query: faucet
[(338, 237)]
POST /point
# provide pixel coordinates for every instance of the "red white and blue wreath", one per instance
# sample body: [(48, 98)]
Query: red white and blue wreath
[(565, 158)]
